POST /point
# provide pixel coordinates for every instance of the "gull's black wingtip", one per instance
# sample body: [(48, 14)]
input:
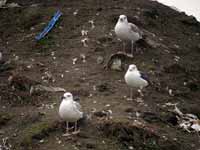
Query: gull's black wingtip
[(145, 77)]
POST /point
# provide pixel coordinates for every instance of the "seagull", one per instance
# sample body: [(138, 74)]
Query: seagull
[(69, 111), (135, 79), (126, 31)]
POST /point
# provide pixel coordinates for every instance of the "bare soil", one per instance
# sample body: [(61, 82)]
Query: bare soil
[(171, 62)]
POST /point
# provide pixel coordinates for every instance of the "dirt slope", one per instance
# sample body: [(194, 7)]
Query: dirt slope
[(171, 61)]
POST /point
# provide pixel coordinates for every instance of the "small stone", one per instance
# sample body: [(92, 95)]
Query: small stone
[(107, 105), (100, 114), (90, 95), (137, 114), (84, 32), (29, 66), (84, 41), (129, 110), (74, 60), (152, 43), (103, 87), (94, 88), (92, 24), (93, 110), (52, 53), (98, 49), (117, 65), (170, 92), (130, 147), (110, 111), (198, 46), (100, 60), (16, 58), (90, 145), (176, 46), (75, 12), (41, 141), (83, 57), (32, 28), (2, 132)]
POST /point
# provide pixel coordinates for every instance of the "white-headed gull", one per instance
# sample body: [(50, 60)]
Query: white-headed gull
[(126, 31), (69, 111), (135, 79)]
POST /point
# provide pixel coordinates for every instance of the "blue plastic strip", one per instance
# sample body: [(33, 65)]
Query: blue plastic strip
[(49, 26)]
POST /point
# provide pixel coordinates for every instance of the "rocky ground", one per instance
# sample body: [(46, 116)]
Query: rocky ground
[(170, 57)]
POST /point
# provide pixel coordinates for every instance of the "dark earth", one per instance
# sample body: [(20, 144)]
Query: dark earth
[(170, 58)]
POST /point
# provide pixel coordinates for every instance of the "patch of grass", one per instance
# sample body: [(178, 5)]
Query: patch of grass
[(151, 145), (4, 118), (138, 136), (36, 131), (45, 45), (46, 42)]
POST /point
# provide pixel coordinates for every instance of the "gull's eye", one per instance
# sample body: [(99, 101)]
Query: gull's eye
[(68, 95)]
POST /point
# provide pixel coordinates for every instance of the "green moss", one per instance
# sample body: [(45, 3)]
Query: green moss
[(140, 137), (4, 118), (151, 145), (49, 11), (121, 120), (150, 67), (46, 42), (36, 131)]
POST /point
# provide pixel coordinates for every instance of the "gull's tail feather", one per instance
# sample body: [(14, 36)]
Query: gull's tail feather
[(143, 42), (85, 118), (145, 77)]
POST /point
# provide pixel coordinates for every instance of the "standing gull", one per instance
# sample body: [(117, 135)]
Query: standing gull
[(127, 31), (135, 79), (70, 112)]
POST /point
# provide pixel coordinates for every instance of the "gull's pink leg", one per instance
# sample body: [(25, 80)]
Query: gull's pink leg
[(75, 129), (124, 46), (67, 130), (131, 95)]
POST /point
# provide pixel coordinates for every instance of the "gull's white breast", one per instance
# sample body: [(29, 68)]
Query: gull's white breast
[(134, 80), (124, 32), (68, 111)]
